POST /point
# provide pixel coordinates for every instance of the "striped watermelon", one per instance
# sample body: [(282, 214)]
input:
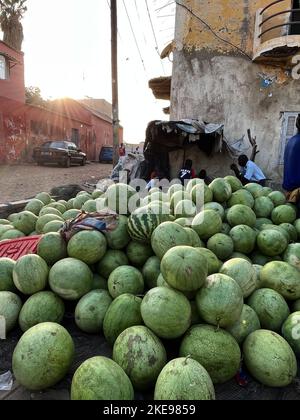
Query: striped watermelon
[(143, 222)]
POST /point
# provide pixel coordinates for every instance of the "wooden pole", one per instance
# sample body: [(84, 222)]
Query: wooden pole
[(114, 69)]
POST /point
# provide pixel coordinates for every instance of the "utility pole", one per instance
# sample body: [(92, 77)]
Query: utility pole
[(114, 69)]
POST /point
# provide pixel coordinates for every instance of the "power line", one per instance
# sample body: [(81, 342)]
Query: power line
[(154, 35), (133, 33), (211, 30)]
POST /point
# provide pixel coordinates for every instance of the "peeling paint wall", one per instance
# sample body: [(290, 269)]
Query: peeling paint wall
[(215, 82)]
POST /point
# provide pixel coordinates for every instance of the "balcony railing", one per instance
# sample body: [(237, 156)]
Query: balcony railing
[(277, 32)]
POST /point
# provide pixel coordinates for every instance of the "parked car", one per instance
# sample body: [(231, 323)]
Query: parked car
[(63, 153), (106, 154)]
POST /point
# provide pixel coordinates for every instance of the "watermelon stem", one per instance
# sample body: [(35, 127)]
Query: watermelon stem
[(187, 358)]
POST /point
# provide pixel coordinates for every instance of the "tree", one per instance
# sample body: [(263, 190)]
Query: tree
[(34, 97), (11, 13)]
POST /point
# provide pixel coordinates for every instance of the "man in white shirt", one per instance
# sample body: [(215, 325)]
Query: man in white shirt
[(249, 172)]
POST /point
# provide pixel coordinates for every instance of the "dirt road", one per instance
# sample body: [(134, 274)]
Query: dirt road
[(25, 181)]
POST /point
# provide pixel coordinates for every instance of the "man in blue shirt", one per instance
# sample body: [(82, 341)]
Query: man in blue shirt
[(249, 172), (291, 180)]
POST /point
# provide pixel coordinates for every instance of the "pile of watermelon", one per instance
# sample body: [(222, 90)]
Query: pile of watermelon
[(220, 283)]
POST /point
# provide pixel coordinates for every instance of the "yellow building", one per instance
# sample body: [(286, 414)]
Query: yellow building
[(233, 64)]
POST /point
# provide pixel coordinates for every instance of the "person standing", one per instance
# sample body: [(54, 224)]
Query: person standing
[(122, 150), (187, 172), (249, 171), (291, 178)]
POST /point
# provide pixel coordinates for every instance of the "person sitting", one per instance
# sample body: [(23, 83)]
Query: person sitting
[(122, 150), (153, 181), (249, 171), (187, 172), (203, 175)]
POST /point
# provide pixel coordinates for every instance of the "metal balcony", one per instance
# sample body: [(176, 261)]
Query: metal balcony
[(277, 32)]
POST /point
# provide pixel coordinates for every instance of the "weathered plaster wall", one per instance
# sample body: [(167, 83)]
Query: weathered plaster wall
[(213, 82)]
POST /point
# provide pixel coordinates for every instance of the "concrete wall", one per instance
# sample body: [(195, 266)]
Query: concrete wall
[(13, 87), (214, 82)]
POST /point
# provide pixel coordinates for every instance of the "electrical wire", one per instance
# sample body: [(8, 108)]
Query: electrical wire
[(134, 36), (154, 35), (211, 30)]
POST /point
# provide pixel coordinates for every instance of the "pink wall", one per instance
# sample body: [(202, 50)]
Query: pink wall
[(13, 87)]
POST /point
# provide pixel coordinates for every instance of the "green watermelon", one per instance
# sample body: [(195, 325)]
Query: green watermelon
[(101, 203), (99, 283), (270, 359), (120, 198), (99, 379), (283, 214), (214, 264), (177, 197), (216, 350), (234, 182), (297, 227), (184, 222), (10, 306), (278, 198), (124, 312), (52, 227), (58, 206), (41, 307), (50, 210), (201, 194), (241, 215), (239, 255), (166, 236), (44, 197), (6, 275), (283, 278), (260, 259), (111, 260), (90, 206), (217, 207), (255, 189), (79, 201), (88, 246), (243, 273), (192, 183), (151, 271), (244, 239), (143, 222), (12, 234), (70, 204), (30, 274), (243, 197), (161, 282), (173, 189), (184, 268), (166, 312), (43, 220), (91, 309), (291, 331), (221, 190), (257, 269), (260, 222), (291, 230), (194, 239), (43, 356), (184, 379), (263, 207), (141, 355), (71, 214), (270, 307), (272, 242), (226, 228), (220, 301), (138, 253), (97, 194), (221, 245), (25, 222), (34, 206), (245, 325), (292, 255), (12, 217), (119, 237), (70, 279), (4, 222), (125, 279), (52, 248), (207, 223), (185, 208)]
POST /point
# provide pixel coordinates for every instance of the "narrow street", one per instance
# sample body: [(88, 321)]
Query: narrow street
[(25, 181)]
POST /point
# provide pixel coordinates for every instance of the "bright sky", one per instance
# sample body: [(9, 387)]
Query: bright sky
[(67, 53)]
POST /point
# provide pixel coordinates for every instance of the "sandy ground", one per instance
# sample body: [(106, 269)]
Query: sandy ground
[(25, 181)]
